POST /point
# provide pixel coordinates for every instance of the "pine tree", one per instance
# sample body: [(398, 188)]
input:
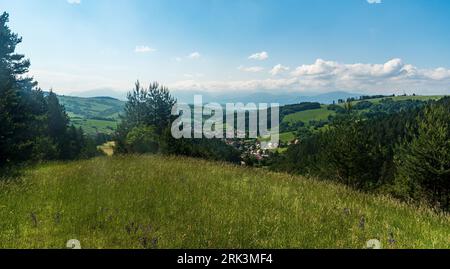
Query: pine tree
[(424, 163), (9, 104), (57, 124), (149, 107), (15, 94)]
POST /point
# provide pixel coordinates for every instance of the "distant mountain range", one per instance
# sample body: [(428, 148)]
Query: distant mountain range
[(235, 97), (103, 92)]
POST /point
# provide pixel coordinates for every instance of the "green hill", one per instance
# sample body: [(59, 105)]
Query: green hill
[(168, 202), (309, 115), (323, 113), (94, 115), (101, 114)]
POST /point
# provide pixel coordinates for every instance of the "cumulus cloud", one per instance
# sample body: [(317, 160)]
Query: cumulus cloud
[(393, 76), (74, 2), (260, 56), (253, 69), (278, 69), (394, 68), (144, 49), (374, 1), (194, 55)]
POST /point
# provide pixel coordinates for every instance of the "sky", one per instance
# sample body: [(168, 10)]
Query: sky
[(310, 46)]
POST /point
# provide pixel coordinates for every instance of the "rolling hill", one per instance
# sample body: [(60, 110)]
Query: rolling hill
[(101, 114), (95, 114), (171, 202), (322, 114), (309, 115)]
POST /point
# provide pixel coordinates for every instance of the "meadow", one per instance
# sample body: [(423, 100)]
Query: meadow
[(94, 115), (174, 202), (310, 115)]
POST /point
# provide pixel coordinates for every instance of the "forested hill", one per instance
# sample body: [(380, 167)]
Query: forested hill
[(94, 115), (101, 114), (94, 107)]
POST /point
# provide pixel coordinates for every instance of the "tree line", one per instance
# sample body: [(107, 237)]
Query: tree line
[(33, 124)]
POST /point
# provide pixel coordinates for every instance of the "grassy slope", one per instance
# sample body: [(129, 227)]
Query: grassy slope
[(93, 114), (309, 115), (164, 202), (287, 137)]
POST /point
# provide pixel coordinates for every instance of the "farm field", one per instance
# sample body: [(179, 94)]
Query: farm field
[(171, 202)]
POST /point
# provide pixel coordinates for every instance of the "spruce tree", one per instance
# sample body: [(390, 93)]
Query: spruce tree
[(15, 94), (423, 165)]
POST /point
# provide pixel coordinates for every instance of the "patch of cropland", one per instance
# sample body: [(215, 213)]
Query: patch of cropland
[(94, 115), (169, 202)]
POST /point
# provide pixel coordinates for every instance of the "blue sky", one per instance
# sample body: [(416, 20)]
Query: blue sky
[(368, 46)]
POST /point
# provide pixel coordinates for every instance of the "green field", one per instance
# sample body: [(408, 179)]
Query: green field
[(309, 115), (92, 127), (168, 202), (287, 137), (94, 115)]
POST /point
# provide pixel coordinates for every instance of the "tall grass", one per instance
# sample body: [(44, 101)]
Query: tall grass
[(168, 202)]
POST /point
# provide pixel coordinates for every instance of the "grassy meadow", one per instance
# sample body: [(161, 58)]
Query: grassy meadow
[(171, 202), (309, 115), (94, 115)]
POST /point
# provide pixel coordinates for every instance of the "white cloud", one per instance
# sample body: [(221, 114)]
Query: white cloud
[(330, 69), (379, 77), (261, 56), (278, 69), (393, 76), (374, 1), (74, 2), (194, 55), (144, 49), (252, 69)]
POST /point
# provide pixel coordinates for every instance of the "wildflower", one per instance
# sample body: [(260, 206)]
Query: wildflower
[(155, 242), (362, 223), (391, 239), (34, 219), (347, 211)]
